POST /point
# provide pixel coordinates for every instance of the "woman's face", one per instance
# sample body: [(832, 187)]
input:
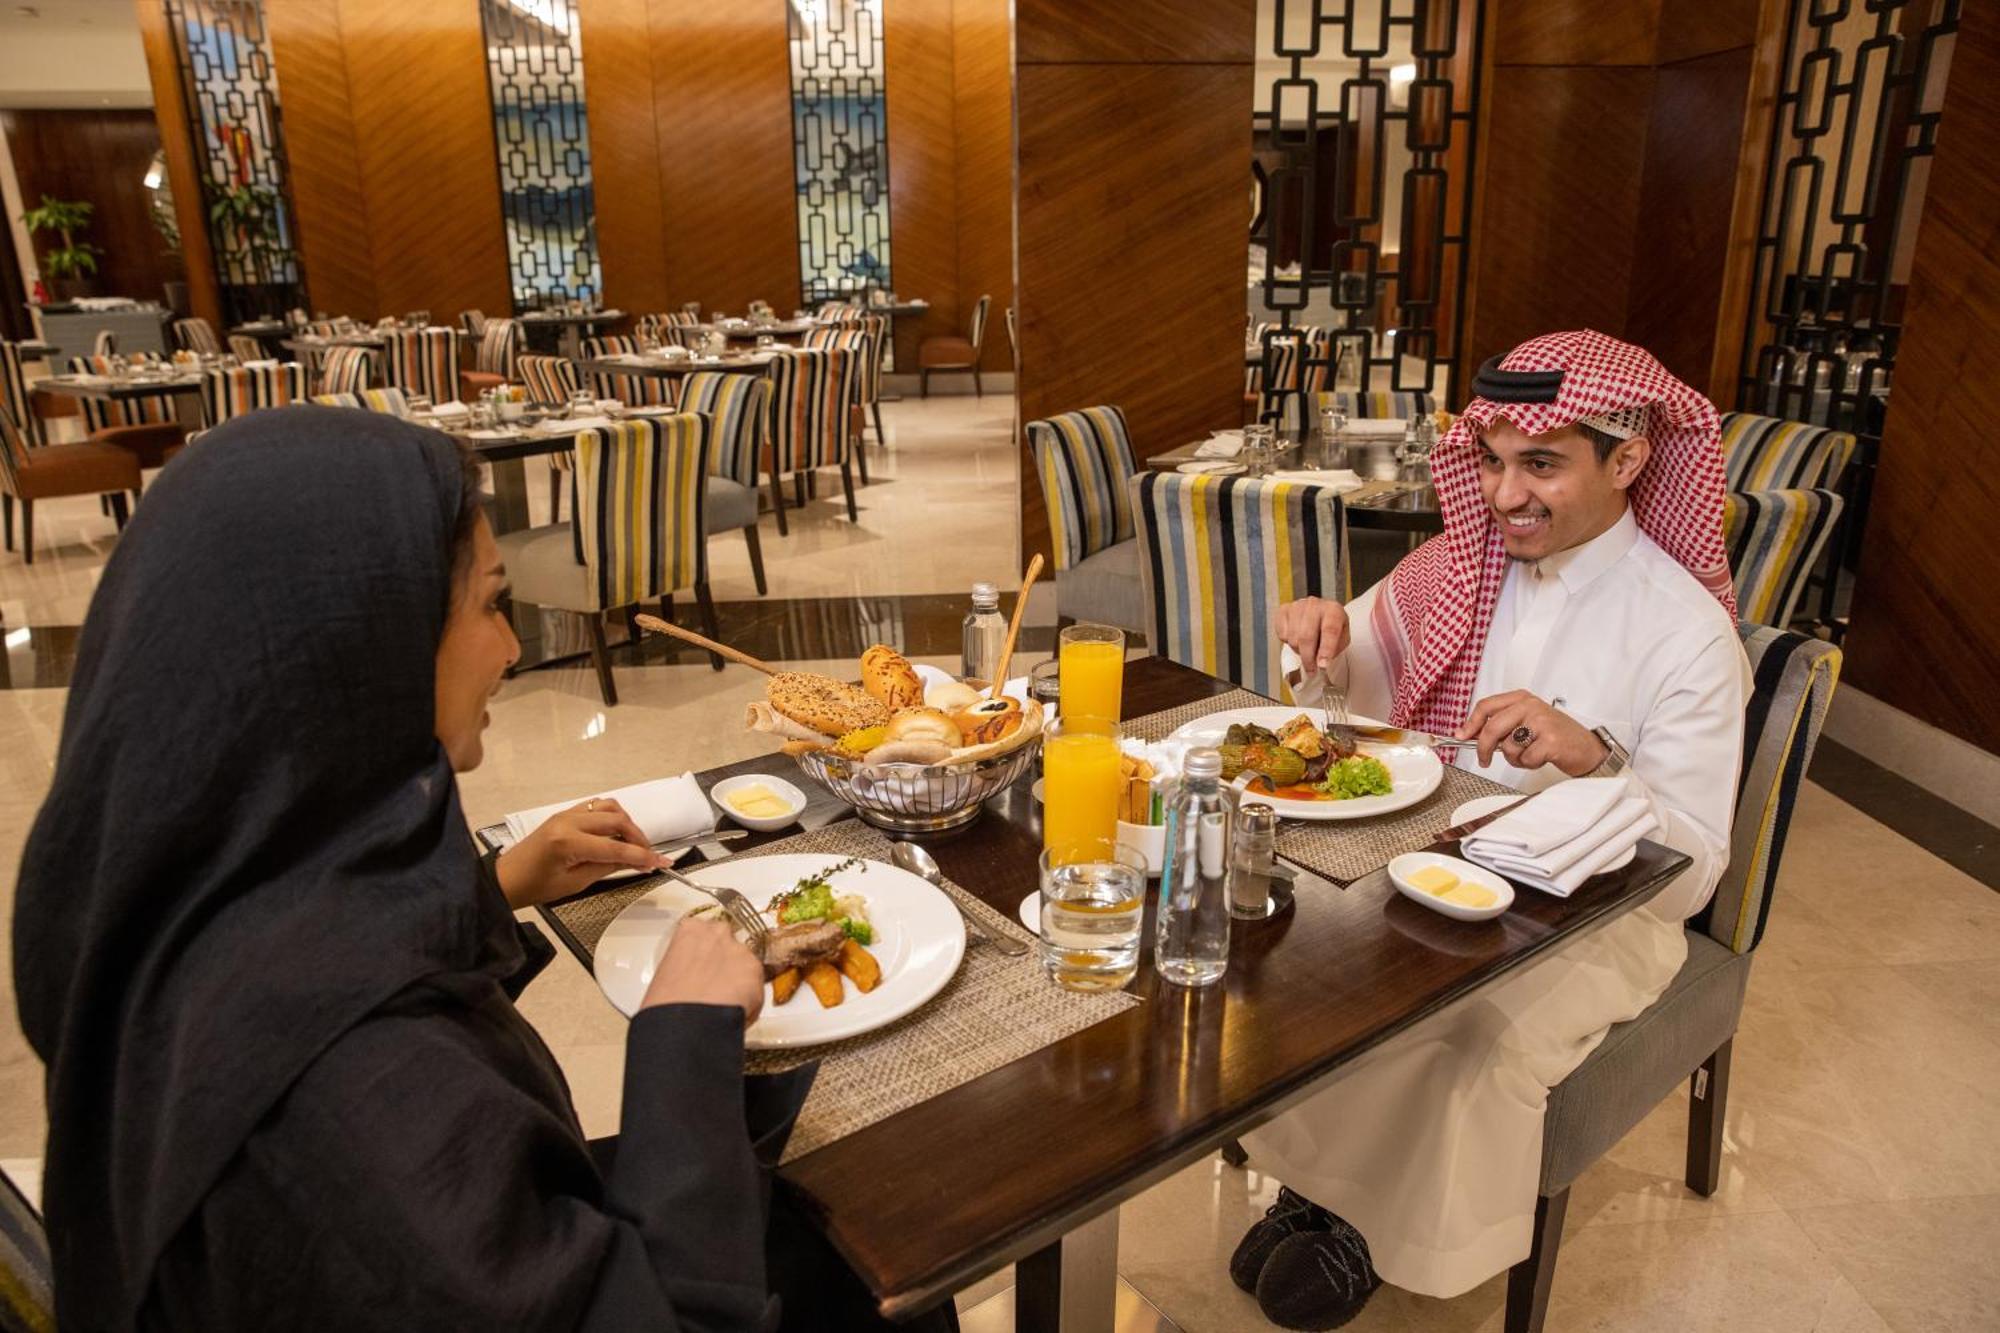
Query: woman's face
[(477, 648)]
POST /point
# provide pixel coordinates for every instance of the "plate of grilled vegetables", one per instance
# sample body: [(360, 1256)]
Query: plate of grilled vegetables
[(853, 944), (1306, 769)]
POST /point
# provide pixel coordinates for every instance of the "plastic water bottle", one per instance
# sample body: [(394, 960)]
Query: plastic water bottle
[(985, 631), (1192, 947)]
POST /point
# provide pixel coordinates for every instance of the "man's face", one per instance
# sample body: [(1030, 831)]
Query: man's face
[(1550, 492)]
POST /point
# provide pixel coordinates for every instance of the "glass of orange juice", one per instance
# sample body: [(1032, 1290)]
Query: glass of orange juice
[(1092, 663), (1080, 790)]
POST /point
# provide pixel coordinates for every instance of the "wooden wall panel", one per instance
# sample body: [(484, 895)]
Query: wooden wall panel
[(1160, 32), (197, 257), (923, 172), (1576, 32), (1682, 227), (99, 157), (619, 100), (1925, 633), (983, 147), (1130, 208), (335, 238), (723, 97)]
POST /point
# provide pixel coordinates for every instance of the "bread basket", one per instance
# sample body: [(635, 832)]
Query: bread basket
[(919, 798)]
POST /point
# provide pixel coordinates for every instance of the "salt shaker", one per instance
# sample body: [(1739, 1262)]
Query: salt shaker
[(1252, 857)]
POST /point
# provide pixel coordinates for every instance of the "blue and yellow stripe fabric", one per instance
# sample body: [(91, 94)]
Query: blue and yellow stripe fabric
[(1380, 405), (1084, 460), (1219, 555), (390, 401), (736, 405), (234, 390), (1774, 540), (1770, 454), (153, 409), (639, 488)]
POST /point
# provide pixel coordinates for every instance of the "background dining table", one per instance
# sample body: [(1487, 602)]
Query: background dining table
[(562, 330), (105, 388), (675, 367), (1405, 502), (1027, 1164)]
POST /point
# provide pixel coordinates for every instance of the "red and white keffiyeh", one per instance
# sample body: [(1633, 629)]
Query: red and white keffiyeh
[(1434, 616)]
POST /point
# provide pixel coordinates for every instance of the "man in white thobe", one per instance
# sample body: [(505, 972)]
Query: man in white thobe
[(1574, 620)]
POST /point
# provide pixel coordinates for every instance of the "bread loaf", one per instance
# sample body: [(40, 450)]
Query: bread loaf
[(830, 707), (888, 676)]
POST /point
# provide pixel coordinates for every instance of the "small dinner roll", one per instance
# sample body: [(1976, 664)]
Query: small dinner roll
[(988, 720), (908, 752), (888, 675), (951, 697), (923, 724)]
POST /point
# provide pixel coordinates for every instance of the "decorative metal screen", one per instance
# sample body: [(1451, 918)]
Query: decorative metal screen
[(231, 94), (534, 63), (1361, 189), (840, 145)]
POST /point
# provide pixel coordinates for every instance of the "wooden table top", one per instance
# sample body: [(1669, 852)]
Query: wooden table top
[(570, 317), (675, 367), (930, 1200), (103, 388)]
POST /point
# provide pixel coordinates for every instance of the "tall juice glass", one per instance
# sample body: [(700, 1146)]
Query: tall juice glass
[(1092, 659), (1080, 790)]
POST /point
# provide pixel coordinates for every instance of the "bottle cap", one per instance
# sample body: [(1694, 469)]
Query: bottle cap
[(1203, 763), (985, 594)]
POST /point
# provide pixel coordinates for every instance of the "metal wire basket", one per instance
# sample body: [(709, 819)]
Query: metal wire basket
[(919, 798)]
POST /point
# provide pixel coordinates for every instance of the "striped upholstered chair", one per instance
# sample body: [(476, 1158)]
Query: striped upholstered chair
[(234, 390), (634, 390), (1687, 1033), (813, 397), (1769, 454), (1380, 405), (423, 361), (1084, 460), (493, 358), (472, 323), (148, 426), (14, 394), (737, 407), (54, 471), (950, 353), (27, 1278), (390, 401), (1293, 374), (197, 335), (245, 348), (1774, 540), (640, 496), (346, 369), (868, 335), (1219, 555), (550, 381)]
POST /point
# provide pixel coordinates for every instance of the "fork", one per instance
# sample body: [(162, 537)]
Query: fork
[(734, 905)]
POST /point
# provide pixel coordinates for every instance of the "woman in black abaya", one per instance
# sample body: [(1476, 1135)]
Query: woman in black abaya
[(287, 1085)]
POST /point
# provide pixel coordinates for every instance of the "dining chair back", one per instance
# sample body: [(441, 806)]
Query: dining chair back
[(1774, 540), (868, 334), (296, 317), (1084, 460), (472, 322), (104, 344), (550, 380), (14, 396), (1013, 339), (1770, 454), (1293, 372), (196, 334), (1219, 555), (499, 345), (1380, 405), (325, 328), (977, 335), (692, 309), (27, 1277), (1689, 1032), (346, 369), (424, 361), (245, 348), (814, 392), (53, 471), (233, 390), (633, 389), (954, 353), (152, 409), (737, 405), (640, 485), (389, 401)]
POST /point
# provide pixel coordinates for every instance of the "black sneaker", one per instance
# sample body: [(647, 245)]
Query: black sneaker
[(1290, 1215), (1317, 1279)]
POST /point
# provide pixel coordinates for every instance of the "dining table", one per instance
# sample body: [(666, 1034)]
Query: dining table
[(677, 367), (1396, 494), (785, 330), (1026, 1164), (567, 326), (109, 388)]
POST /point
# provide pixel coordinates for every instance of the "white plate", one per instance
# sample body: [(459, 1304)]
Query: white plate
[(1414, 770), (1486, 805), (919, 941), (1218, 467), (1410, 862)]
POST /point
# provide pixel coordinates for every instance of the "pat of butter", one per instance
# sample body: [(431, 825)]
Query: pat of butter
[(1434, 880), (758, 802), (1467, 894)]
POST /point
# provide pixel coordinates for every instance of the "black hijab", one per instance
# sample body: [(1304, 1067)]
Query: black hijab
[(253, 838)]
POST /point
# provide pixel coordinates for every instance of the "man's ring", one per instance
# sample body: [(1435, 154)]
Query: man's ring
[(1522, 735), (591, 804)]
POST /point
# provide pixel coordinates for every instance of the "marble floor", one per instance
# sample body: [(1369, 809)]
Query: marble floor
[(1861, 1184)]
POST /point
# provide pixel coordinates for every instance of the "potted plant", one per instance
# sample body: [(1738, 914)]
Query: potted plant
[(70, 266)]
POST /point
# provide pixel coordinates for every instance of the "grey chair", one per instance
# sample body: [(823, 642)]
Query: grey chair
[(1688, 1032)]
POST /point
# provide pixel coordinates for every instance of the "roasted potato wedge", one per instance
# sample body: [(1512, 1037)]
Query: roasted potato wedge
[(860, 966), (825, 981), (785, 985)]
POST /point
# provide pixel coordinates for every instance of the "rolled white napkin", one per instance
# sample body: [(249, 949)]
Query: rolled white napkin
[(450, 410), (1376, 426), (1016, 686), (663, 808), (1223, 444), (571, 425), (1562, 836), (1340, 479)]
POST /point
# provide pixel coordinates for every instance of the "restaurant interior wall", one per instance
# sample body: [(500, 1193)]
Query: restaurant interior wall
[(1131, 210)]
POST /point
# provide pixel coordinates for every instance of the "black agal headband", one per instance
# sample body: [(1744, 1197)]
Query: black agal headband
[(1515, 386)]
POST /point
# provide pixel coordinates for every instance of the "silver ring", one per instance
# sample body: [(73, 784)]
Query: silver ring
[(590, 806), (1521, 735)]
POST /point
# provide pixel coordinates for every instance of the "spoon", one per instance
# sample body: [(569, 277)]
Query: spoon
[(920, 863)]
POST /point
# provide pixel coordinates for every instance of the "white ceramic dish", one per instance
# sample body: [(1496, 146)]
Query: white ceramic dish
[(919, 941), (1486, 805), (1414, 770), (794, 799), (1410, 862)]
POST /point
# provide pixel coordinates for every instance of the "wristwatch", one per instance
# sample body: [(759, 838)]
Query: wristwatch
[(1616, 758)]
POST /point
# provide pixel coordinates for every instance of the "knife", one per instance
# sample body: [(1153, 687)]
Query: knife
[(697, 839), (1401, 735), (1458, 832)]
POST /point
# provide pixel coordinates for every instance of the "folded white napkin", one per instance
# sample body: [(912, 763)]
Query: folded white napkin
[(663, 808), (1375, 426), (450, 410), (1223, 444), (1564, 835), (490, 434), (1339, 479), (571, 425)]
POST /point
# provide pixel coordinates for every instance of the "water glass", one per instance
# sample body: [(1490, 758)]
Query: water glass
[(1091, 917), (1332, 423), (582, 403), (1260, 441), (1045, 682)]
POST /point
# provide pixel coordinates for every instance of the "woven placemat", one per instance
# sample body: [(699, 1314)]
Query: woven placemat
[(1339, 850), (994, 1011)]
